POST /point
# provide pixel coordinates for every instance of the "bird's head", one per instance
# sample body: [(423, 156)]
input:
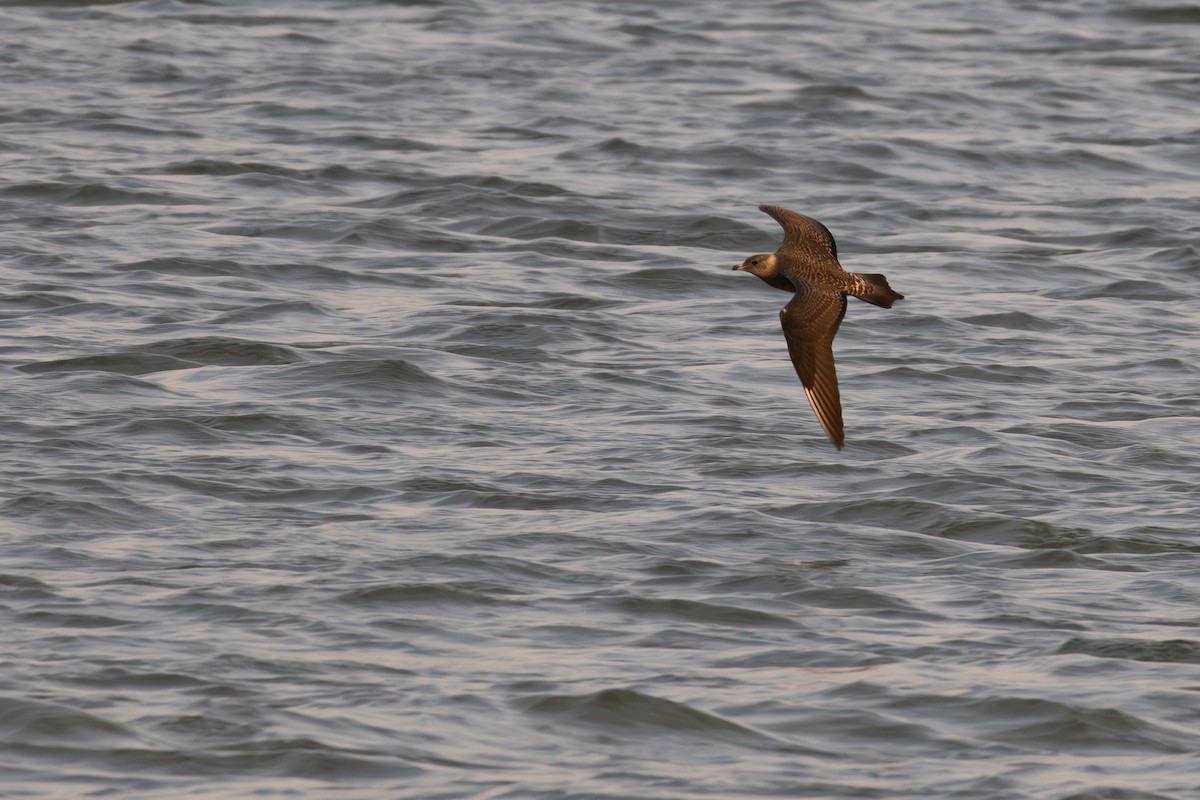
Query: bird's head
[(762, 265)]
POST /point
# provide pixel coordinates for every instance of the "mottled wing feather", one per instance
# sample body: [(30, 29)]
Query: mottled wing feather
[(801, 232), (810, 321)]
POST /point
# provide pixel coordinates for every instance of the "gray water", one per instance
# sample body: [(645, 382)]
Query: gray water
[(382, 419)]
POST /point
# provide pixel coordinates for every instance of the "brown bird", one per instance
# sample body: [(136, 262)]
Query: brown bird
[(806, 264)]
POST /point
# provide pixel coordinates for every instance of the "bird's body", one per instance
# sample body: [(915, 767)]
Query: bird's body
[(807, 265)]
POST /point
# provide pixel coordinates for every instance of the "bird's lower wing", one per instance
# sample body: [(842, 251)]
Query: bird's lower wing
[(810, 321)]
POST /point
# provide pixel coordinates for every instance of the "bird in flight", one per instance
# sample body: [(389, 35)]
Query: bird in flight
[(807, 264)]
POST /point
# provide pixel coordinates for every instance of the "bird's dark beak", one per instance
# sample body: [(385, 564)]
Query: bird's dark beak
[(739, 266)]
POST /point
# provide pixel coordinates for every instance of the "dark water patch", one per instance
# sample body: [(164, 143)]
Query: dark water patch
[(276, 499), (648, 35), (249, 182), (23, 587), (566, 249), (530, 227), (1172, 651), (1013, 320), (1184, 256), (799, 658), (1045, 557), (212, 610), (969, 489), (472, 209), (1116, 793), (32, 723), (1001, 373), (1146, 291), (210, 729), (911, 376), (133, 129), (312, 231), (515, 328), (844, 91), (573, 302), (1027, 622), (864, 600), (519, 495), (1117, 409), (160, 430), (98, 385), (272, 311), (313, 760), (1096, 437), (1163, 15), (521, 132), (52, 511), (67, 620), (740, 160), (173, 354), (463, 195), (19, 305), (96, 194), (1045, 536), (127, 677), (266, 425), (1167, 364), (566, 543), (850, 172), (635, 714), (673, 569), (380, 380), (886, 735), (319, 276), (690, 611), (225, 351), (422, 595), (163, 768), (1149, 541), (183, 266), (927, 517), (92, 311), (495, 570), (1066, 727), (672, 282), (220, 168)]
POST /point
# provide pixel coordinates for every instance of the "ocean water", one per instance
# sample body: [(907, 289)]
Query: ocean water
[(381, 417)]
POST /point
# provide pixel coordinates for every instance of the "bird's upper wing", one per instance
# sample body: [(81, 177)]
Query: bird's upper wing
[(810, 321), (801, 232)]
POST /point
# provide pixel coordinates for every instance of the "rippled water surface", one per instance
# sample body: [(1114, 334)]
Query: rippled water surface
[(381, 416)]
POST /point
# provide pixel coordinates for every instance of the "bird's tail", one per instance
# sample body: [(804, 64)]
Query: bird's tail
[(873, 288)]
